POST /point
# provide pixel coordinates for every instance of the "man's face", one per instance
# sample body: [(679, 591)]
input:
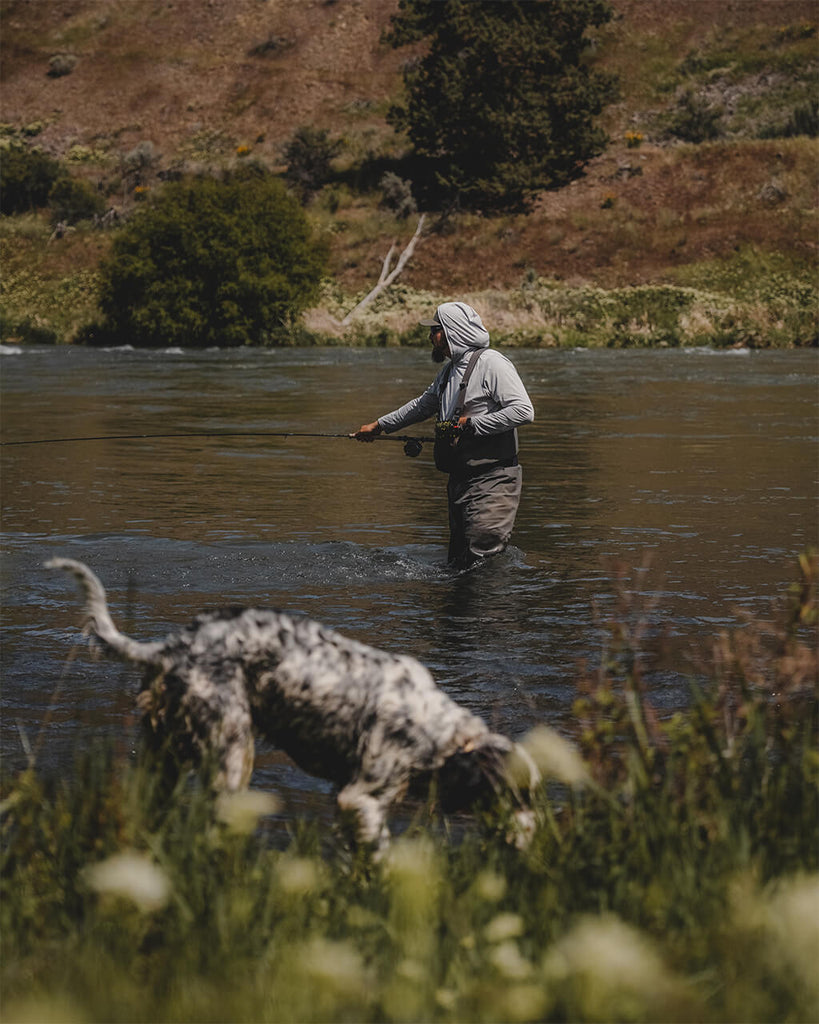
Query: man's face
[(440, 349)]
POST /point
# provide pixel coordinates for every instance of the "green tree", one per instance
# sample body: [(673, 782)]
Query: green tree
[(26, 177), (212, 262), (503, 103), (72, 200)]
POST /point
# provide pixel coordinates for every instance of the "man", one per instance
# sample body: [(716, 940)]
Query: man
[(479, 400)]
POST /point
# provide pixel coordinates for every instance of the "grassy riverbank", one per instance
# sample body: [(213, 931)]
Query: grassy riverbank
[(753, 299), (673, 875)]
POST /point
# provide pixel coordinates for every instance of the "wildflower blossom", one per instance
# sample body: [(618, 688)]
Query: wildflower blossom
[(298, 875), (336, 965), (610, 966), (490, 886), (241, 811), (508, 960), (554, 756), (133, 876), (503, 927)]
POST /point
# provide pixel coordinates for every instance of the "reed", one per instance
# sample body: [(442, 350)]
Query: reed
[(674, 874)]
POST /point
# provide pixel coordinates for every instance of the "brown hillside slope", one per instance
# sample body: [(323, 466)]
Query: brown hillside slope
[(169, 71), (200, 78), (165, 70)]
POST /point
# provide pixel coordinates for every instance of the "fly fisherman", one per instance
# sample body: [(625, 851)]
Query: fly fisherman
[(479, 400)]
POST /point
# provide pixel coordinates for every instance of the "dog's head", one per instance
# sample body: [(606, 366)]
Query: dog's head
[(478, 777), (478, 773)]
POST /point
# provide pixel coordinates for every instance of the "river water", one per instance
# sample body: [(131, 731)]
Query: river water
[(693, 473)]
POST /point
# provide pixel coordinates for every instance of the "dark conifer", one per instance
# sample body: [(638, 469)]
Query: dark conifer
[(503, 103)]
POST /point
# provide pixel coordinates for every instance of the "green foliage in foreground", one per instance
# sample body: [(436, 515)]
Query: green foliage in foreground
[(211, 263), (673, 876)]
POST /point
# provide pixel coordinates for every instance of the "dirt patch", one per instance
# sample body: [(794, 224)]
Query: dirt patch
[(165, 71)]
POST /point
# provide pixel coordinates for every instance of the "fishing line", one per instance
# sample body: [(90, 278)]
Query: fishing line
[(412, 445)]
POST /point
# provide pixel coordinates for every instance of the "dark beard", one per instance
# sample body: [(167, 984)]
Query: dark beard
[(438, 356)]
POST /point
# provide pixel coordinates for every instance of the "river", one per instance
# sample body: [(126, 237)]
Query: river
[(690, 473)]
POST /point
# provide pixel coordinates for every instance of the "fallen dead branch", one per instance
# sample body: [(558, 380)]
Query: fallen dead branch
[(388, 276)]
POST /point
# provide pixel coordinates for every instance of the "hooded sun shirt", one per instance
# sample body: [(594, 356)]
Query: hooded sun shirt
[(496, 399)]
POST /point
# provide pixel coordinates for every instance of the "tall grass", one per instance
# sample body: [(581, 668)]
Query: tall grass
[(673, 875), (754, 299)]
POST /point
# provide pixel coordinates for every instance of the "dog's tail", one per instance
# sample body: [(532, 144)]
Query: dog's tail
[(98, 619)]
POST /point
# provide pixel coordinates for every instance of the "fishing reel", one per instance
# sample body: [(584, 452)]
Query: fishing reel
[(452, 431), (447, 430), (413, 447)]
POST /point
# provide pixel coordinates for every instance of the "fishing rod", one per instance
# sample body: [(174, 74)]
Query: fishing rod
[(412, 445)]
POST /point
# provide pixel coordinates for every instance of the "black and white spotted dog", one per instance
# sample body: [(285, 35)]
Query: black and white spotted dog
[(375, 724)]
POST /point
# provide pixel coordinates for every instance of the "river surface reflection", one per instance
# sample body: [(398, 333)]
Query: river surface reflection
[(694, 470)]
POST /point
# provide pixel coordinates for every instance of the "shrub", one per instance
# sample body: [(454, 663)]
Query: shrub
[(212, 262), (804, 120), (26, 178), (397, 195), (61, 64), (73, 199), (141, 157), (694, 119), (308, 155)]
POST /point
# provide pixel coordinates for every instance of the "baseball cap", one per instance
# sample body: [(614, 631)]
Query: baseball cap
[(431, 323)]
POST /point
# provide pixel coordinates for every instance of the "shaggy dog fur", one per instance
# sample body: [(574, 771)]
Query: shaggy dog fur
[(372, 723)]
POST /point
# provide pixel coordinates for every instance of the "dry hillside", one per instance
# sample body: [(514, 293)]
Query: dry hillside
[(200, 79)]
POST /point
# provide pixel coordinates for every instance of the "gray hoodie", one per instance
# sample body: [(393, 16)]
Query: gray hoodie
[(496, 399)]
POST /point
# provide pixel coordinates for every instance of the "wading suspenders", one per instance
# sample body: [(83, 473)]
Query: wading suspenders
[(461, 402)]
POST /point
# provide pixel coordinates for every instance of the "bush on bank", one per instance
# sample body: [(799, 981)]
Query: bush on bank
[(673, 875), (211, 262)]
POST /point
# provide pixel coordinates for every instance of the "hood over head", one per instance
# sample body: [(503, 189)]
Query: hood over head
[(463, 328)]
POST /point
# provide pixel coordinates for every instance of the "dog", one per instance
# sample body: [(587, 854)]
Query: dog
[(374, 724)]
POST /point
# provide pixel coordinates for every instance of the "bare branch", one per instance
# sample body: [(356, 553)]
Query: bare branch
[(386, 267), (387, 276)]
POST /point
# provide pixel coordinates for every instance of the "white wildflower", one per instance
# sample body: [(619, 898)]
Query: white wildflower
[(490, 886), (508, 960), (793, 918), (788, 918), (241, 811), (336, 965), (131, 875), (412, 859), (503, 927), (553, 755), (523, 1003), (613, 969), (298, 875)]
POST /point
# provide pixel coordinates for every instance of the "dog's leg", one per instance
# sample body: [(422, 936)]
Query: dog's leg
[(99, 619), (368, 813), (236, 762)]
